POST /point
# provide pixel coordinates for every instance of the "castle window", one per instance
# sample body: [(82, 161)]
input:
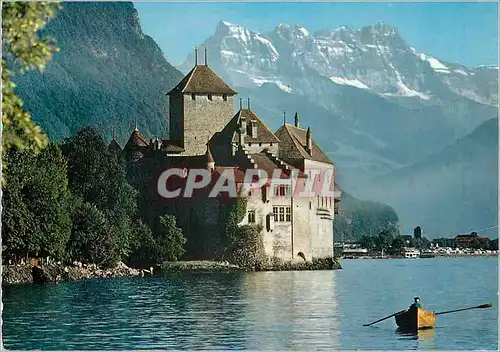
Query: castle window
[(271, 144), (210, 97), (249, 144), (251, 216), (224, 96), (260, 144), (310, 205), (193, 96), (282, 190), (282, 214)]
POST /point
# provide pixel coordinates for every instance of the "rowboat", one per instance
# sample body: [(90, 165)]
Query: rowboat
[(415, 319)]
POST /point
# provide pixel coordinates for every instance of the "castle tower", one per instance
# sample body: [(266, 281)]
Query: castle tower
[(200, 105)]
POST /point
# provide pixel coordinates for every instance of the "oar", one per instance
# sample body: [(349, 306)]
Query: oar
[(487, 305), (387, 317)]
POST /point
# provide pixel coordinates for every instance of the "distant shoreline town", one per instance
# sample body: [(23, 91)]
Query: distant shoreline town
[(470, 245)]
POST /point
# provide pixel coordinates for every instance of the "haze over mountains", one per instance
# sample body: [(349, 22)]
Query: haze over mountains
[(375, 105)]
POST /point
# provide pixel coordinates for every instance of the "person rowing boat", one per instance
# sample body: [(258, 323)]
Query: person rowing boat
[(416, 303), (416, 318)]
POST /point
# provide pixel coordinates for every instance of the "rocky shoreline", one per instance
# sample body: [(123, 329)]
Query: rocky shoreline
[(55, 273)]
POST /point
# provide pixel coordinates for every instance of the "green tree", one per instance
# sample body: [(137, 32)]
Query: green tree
[(397, 245), (92, 239), (167, 244), (143, 247), (367, 242), (231, 215), (36, 220), (23, 50), (99, 178), (170, 241), (384, 240), (248, 249)]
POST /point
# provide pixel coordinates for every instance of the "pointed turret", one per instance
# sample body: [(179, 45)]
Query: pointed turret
[(209, 159), (136, 145), (114, 147)]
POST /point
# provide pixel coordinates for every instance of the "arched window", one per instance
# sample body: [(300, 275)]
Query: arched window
[(251, 216)]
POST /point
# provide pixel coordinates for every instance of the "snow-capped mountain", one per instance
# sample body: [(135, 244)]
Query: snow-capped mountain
[(374, 58), (369, 83), (375, 104)]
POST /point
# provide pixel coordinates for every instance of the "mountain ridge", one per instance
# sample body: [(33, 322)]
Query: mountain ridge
[(106, 68), (329, 50), (465, 198)]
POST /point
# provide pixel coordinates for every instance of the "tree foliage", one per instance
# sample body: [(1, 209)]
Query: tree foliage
[(170, 240), (92, 239), (231, 215), (23, 50), (35, 218), (358, 219), (247, 250), (107, 74), (97, 177)]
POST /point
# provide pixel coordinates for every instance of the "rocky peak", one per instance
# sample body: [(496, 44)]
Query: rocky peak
[(380, 33), (291, 31)]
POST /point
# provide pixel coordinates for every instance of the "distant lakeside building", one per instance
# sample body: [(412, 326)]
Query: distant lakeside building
[(206, 133), (471, 240)]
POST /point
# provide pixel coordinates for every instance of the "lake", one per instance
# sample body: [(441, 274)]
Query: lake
[(261, 311)]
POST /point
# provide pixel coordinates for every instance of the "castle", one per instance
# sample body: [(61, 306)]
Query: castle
[(205, 132)]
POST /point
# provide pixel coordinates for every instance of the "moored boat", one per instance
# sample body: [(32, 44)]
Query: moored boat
[(415, 319)]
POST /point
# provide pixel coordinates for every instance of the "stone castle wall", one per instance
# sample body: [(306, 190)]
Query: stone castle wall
[(176, 123), (202, 118)]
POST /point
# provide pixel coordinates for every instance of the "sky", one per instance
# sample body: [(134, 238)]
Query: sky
[(465, 33)]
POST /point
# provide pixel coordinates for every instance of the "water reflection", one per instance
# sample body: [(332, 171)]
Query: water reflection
[(294, 310), (425, 337), (320, 310)]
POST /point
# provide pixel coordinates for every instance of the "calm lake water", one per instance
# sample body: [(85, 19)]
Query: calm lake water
[(264, 311)]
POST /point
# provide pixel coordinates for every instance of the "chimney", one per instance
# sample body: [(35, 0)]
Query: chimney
[(309, 141), (241, 103), (254, 129), (297, 119), (248, 105), (206, 60), (284, 117), (195, 56)]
